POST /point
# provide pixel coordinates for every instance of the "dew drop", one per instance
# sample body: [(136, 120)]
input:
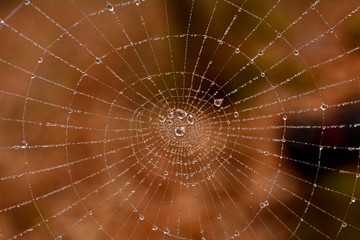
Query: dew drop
[(26, 2), (237, 50), (167, 230), (141, 217), (236, 114), (220, 41), (279, 35), (40, 60), (137, 2), (353, 199), (171, 113), (237, 233), (285, 117), (180, 131), (323, 106), (262, 74), (218, 101), (98, 61), (110, 7), (24, 144), (161, 118), (149, 78), (1, 22), (166, 173), (344, 224), (180, 114), (261, 52), (296, 52), (154, 228), (219, 216), (190, 119)]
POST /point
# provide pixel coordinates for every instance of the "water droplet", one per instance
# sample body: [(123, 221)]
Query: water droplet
[(161, 118), (262, 74), (323, 106), (180, 131), (98, 61), (278, 35), (218, 101), (344, 224), (137, 2), (237, 233), (190, 119), (1, 22), (296, 52), (236, 114), (353, 199), (141, 217), (237, 50), (262, 205), (261, 52), (24, 144), (171, 113), (26, 2), (219, 216), (40, 60), (166, 173), (154, 228), (284, 117), (220, 41), (149, 78), (167, 230), (180, 114), (110, 7), (90, 213)]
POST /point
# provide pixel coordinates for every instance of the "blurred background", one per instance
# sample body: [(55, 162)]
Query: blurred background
[(91, 93)]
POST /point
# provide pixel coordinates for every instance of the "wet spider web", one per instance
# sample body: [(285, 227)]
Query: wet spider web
[(196, 119)]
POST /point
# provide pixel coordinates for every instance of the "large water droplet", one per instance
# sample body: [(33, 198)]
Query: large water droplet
[(323, 106), (237, 50), (1, 22), (26, 2), (218, 101), (167, 230), (40, 60), (190, 119), (141, 217), (236, 114), (110, 7), (237, 233), (296, 52), (98, 60), (180, 114), (180, 131), (161, 118), (154, 228), (137, 2)]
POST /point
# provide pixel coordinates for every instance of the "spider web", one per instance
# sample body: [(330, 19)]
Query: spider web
[(196, 119)]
